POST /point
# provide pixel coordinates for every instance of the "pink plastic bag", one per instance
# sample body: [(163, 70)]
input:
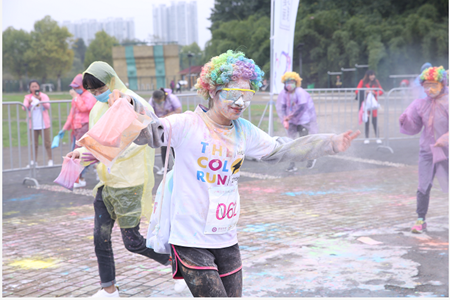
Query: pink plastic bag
[(108, 130), (70, 171), (107, 148)]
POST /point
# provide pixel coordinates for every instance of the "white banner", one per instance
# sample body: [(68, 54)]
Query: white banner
[(285, 13)]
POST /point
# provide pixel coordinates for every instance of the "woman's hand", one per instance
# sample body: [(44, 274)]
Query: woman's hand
[(73, 93), (402, 118), (89, 158), (343, 141), (116, 95), (73, 155), (442, 141)]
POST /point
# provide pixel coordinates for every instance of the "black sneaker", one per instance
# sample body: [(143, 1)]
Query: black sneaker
[(311, 164), (291, 169)]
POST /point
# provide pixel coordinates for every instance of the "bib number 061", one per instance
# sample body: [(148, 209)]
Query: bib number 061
[(223, 211)]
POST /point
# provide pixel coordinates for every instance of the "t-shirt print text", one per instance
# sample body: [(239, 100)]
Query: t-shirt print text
[(218, 164)]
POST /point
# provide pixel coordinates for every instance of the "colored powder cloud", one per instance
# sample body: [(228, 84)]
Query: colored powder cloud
[(33, 264)]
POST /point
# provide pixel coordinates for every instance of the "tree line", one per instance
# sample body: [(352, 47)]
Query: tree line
[(392, 37), (51, 52)]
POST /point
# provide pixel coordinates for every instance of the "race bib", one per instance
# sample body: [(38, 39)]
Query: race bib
[(224, 207)]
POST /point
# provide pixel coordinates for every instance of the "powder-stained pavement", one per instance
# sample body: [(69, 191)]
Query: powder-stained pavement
[(339, 230)]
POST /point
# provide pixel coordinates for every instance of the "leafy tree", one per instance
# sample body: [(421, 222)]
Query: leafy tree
[(227, 10), (198, 58), (100, 49), (393, 37), (132, 42), (79, 48), (49, 53), (15, 44), (250, 36)]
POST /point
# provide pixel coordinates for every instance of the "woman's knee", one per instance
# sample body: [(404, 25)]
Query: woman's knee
[(233, 284), (132, 246), (203, 283), (102, 234), (132, 242)]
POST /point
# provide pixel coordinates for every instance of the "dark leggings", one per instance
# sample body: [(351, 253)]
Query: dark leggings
[(208, 283), (132, 239), (423, 201), (164, 153), (374, 121)]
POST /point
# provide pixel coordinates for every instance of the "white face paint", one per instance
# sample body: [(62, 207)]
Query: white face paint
[(227, 110), (290, 85), (432, 88)]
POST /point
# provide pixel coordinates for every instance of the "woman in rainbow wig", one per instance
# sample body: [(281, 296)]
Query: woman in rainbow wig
[(210, 145), (296, 111), (431, 114)]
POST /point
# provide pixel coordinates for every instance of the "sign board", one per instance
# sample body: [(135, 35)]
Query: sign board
[(285, 14)]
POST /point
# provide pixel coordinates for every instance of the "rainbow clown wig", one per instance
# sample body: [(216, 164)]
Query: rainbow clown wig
[(227, 67), (434, 74), (292, 76)]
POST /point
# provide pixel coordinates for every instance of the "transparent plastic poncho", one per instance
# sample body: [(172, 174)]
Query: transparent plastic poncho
[(130, 179)]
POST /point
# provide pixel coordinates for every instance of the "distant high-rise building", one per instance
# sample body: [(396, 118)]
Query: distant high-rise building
[(117, 27), (175, 23)]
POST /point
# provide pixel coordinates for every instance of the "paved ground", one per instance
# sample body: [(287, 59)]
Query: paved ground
[(338, 230)]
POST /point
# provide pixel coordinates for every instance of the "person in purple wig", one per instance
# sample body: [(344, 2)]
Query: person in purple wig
[(429, 115), (211, 145)]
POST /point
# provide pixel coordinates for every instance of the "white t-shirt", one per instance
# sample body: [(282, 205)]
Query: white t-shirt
[(207, 154), (38, 120)]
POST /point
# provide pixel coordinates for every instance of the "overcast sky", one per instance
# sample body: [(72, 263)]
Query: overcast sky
[(22, 14)]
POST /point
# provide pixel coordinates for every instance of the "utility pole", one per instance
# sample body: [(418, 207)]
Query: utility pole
[(272, 66), (190, 55)]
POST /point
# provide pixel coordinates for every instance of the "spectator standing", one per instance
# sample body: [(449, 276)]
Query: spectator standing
[(404, 83), (178, 87), (78, 119), (338, 82), (164, 104), (39, 119), (370, 81), (296, 111), (172, 86)]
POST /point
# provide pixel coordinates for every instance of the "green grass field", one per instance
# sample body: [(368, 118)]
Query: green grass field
[(14, 118)]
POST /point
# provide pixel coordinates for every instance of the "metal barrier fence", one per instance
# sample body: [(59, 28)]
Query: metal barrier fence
[(14, 134), (337, 111), (190, 101), (19, 154)]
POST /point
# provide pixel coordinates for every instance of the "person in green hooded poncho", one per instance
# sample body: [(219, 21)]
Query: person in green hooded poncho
[(125, 193)]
